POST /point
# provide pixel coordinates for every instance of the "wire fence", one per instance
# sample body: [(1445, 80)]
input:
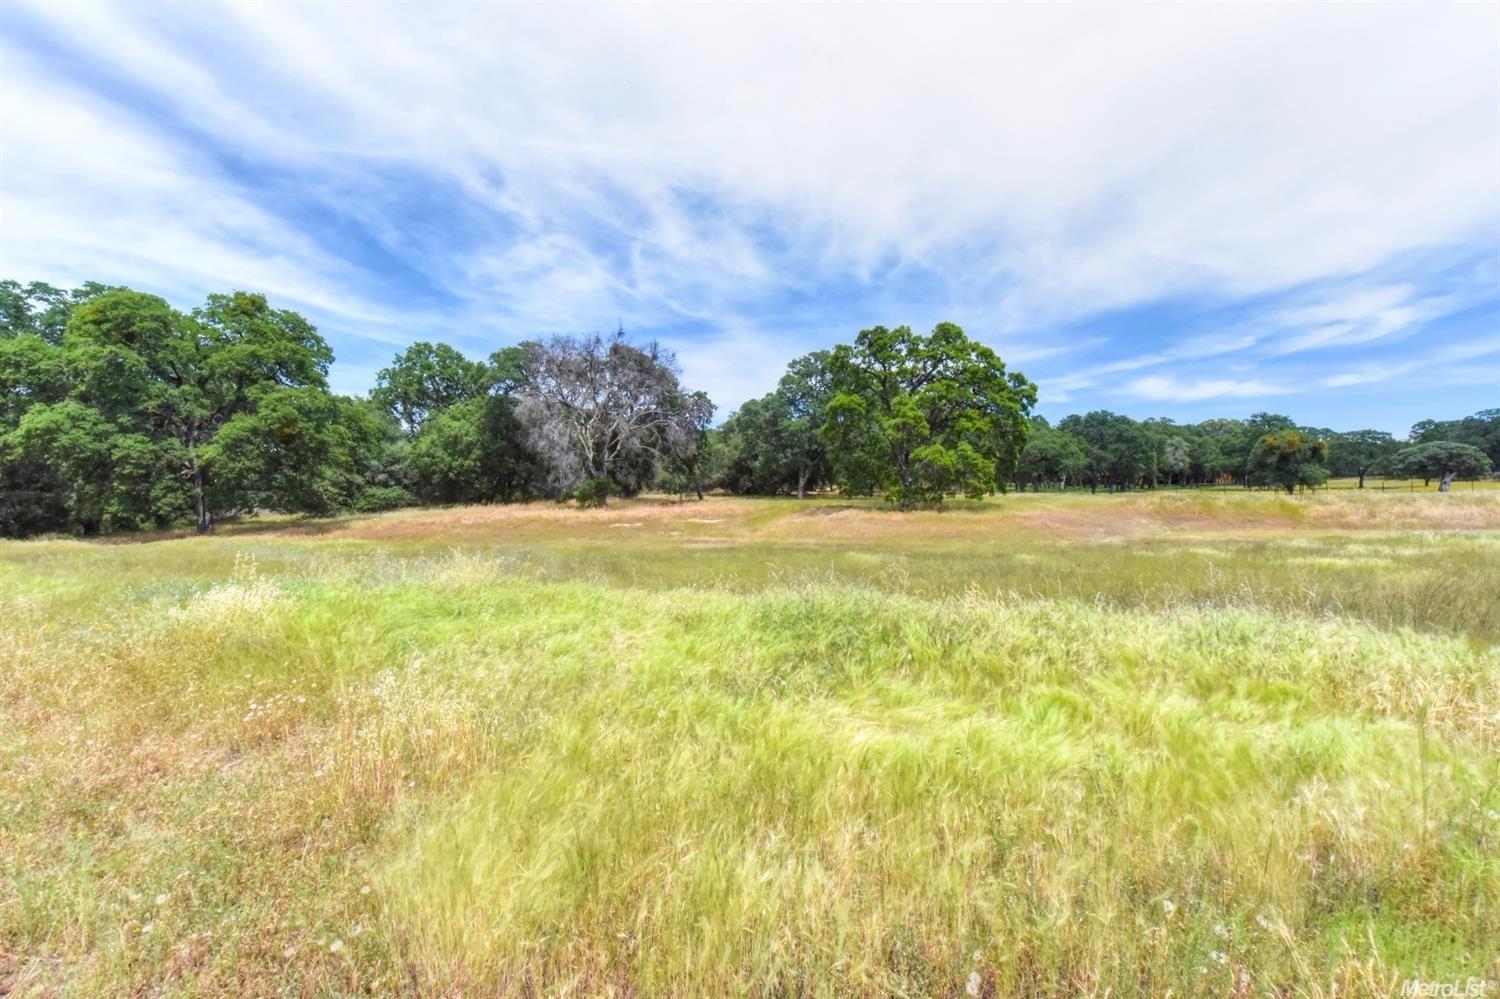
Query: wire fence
[(1372, 484), (1410, 485)]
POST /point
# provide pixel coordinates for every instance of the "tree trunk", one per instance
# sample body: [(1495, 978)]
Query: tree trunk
[(603, 474), (802, 482), (1361, 478), (903, 468), (1446, 482), (200, 503)]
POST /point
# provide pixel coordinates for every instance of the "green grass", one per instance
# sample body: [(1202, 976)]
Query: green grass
[(1040, 745)]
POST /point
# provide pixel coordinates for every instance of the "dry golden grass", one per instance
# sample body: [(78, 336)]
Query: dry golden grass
[(1078, 514)]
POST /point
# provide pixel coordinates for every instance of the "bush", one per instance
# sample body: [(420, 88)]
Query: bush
[(374, 499), (593, 493)]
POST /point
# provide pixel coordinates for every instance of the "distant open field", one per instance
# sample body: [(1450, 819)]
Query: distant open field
[(1212, 743)]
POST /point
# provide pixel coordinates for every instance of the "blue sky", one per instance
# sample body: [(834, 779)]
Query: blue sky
[(1181, 211)]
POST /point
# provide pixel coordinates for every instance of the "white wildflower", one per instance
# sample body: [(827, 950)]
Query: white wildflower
[(336, 946), (972, 985)]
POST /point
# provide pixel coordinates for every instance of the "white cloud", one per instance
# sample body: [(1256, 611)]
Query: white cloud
[(739, 364), (1382, 371), (1039, 165), (87, 196), (1166, 388)]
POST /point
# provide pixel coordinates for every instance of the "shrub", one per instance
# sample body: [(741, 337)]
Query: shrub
[(593, 493), (374, 499)]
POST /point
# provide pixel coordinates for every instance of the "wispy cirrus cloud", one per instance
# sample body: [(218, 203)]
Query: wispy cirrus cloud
[(1115, 201), (1167, 387), (1377, 372)]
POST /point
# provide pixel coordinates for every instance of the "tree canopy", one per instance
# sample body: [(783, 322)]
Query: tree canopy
[(426, 378), (129, 408), (1481, 431), (1116, 449), (774, 443), (599, 410), (1444, 461), (1288, 459), (1051, 455), (921, 417)]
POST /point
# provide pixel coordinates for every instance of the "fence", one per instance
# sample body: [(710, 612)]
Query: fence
[(1372, 484), (1410, 485)]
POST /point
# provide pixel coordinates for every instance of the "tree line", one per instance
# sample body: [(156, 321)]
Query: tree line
[(779, 444), (119, 411)]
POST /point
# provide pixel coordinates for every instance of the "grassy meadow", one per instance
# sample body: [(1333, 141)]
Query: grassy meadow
[(1205, 743)]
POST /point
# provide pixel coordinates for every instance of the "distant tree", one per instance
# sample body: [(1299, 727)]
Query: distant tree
[(1118, 449), (1266, 423), (388, 477), (751, 456), (74, 413), (773, 444), (42, 310), (922, 416), (684, 442), (802, 398), (1052, 455), (714, 458), (1222, 449), (1359, 452), (298, 449), (1482, 431), (75, 442), (1287, 459), (469, 445), (426, 378), (1422, 431), (600, 409), (1176, 458), (180, 380), (1444, 461), (36, 463), (474, 452)]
